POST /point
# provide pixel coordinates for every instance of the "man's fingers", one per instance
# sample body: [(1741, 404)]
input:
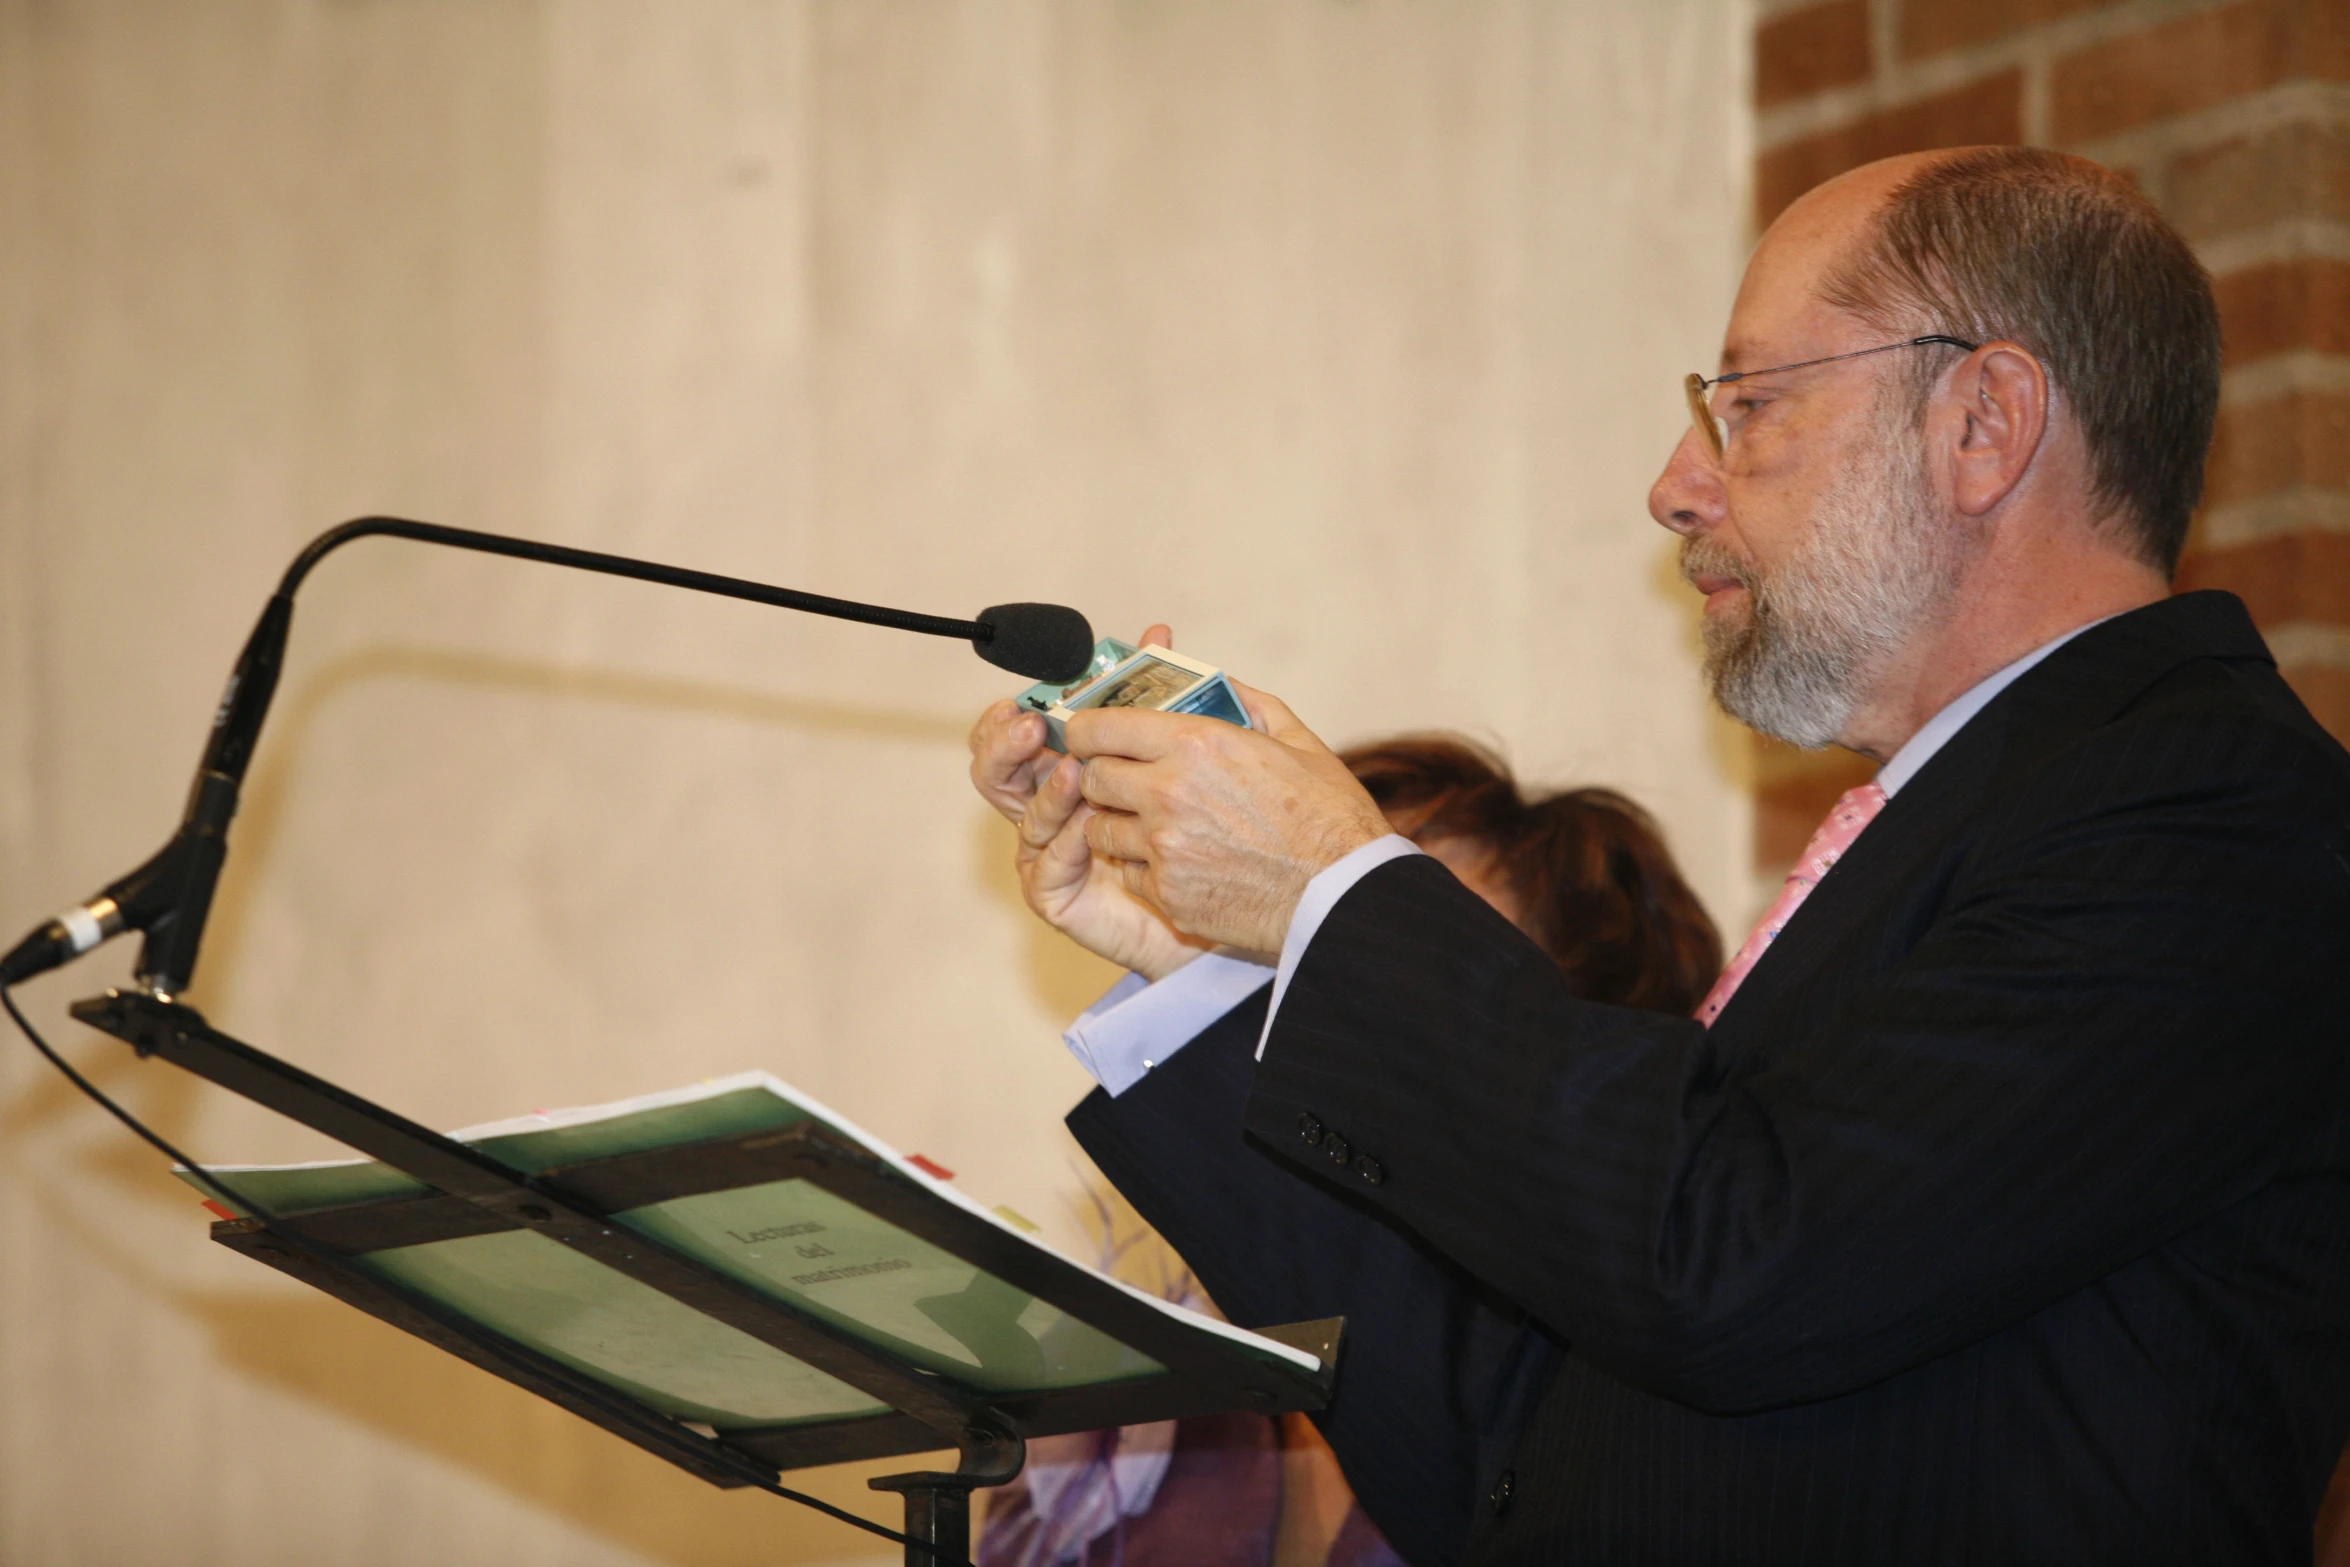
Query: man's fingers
[(991, 718), (1114, 835), (1001, 730), (1116, 783), (1139, 732), (1057, 797), (1008, 756), (1061, 859), (1158, 636), (1135, 877), (1273, 719)]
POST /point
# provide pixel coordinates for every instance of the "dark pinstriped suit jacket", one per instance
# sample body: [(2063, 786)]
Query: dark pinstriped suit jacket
[(2004, 1216)]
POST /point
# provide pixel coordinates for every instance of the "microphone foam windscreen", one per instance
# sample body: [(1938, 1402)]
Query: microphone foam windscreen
[(1041, 641)]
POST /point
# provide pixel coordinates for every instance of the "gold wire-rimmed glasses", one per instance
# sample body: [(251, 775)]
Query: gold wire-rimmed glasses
[(1701, 411)]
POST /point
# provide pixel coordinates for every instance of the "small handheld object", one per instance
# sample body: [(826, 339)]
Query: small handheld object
[(1123, 675)]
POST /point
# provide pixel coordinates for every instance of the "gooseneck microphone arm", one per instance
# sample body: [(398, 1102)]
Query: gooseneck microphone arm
[(325, 544), (169, 897)]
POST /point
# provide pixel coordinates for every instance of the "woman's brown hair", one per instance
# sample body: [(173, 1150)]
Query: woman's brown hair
[(1595, 885)]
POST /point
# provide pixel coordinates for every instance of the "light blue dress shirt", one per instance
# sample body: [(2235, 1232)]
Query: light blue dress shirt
[(1136, 1024)]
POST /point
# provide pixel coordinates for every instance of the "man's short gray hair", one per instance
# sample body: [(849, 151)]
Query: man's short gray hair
[(2069, 260)]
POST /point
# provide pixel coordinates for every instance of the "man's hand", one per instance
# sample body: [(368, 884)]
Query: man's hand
[(1081, 896), (1008, 755), (1217, 827), (1085, 897)]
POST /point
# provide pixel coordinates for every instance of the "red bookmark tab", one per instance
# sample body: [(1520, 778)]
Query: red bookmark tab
[(220, 1212), (930, 1167)]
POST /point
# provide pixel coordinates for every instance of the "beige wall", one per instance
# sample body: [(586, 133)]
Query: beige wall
[(1342, 334)]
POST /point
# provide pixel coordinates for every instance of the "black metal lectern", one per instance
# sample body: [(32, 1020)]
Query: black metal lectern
[(474, 1194)]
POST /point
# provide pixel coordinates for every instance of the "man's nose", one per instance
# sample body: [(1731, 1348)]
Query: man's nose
[(1687, 497)]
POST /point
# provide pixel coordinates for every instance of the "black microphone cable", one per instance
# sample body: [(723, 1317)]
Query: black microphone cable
[(299, 1242)]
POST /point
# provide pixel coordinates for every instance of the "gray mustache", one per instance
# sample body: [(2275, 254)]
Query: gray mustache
[(1705, 558)]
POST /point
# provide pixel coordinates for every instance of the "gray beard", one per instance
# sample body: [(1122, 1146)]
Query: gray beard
[(1877, 569)]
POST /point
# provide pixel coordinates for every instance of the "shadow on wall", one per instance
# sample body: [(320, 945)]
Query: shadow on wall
[(167, 1100), (261, 817), (1063, 979)]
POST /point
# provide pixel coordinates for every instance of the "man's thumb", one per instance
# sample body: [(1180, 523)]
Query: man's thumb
[(1272, 718)]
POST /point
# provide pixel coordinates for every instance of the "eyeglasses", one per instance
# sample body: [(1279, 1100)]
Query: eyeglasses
[(1701, 411)]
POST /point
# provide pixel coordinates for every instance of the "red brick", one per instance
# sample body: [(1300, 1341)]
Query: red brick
[(2302, 576), (2333, 1514), (2280, 443), (2197, 61), (1931, 26), (1794, 795), (2326, 692), (2285, 305), (2287, 171), (1989, 110), (1809, 51)]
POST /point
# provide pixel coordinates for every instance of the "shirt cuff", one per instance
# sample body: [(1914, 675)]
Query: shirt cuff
[(1138, 1024), (1321, 896)]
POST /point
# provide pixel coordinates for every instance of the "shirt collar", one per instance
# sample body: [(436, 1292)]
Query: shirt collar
[(1919, 749)]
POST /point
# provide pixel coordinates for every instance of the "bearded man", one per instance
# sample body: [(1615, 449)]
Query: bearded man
[(1996, 1205)]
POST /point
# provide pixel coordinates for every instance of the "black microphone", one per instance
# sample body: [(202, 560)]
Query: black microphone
[(169, 897)]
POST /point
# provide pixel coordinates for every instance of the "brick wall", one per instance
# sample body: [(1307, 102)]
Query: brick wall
[(2234, 115)]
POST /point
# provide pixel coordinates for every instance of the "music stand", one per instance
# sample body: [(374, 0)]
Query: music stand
[(471, 1194)]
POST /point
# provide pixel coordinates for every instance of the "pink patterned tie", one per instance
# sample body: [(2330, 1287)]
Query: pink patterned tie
[(1855, 810)]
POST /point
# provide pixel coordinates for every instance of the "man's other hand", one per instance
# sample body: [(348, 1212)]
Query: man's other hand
[(1218, 827), (1086, 898), (1008, 755), (1083, 897)]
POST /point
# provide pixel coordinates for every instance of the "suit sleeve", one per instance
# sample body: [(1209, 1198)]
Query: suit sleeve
[(1433, 1377), (2119, 1017)]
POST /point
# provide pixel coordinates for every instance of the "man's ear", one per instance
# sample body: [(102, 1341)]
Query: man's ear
[(1997, 407)]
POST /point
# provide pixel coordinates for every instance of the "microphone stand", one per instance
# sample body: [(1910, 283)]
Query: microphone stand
[(168, 898)]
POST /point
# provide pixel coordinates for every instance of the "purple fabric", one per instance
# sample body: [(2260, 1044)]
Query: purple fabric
[(1220, 1502), (1360, 1544)]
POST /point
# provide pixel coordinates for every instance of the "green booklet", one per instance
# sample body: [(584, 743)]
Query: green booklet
[(788, 1238)]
